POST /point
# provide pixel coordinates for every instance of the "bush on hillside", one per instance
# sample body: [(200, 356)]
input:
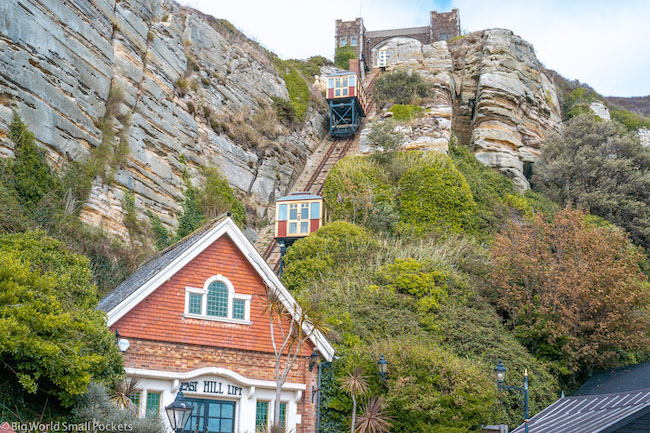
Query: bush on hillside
[(343, 55), (433, 193), (405, 113), (355, 186), (573, 293), (54, 341), (400, 87), (385, 138), (601, 167)]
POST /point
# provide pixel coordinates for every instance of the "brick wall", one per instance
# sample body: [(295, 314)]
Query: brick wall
[(445, 25)]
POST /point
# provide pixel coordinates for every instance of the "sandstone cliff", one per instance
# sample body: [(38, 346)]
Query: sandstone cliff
[(172, 84), (491, 89)]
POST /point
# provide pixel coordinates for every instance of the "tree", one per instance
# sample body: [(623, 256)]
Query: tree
[(294, 326), (53, 341), (400, 87), (385, 137), (343, 55), (574, 293), (354, 383), (601, 167)]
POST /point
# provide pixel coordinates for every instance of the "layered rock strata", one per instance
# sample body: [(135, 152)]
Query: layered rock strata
[(176, 78)]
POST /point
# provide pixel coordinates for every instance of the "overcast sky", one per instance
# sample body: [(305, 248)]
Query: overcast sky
[(603, 43)]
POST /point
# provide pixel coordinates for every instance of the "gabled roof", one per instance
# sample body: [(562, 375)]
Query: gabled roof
[(165, 264), (602, 413), (620, 379)]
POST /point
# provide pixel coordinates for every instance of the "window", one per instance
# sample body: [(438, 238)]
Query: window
[(153, 404), (343, 42), (135, 399), (217, 301), (315, 210), (330, 85), (353, 42), (283, 414), (211, 416), (299, 216), (282, 212), (261, 415)]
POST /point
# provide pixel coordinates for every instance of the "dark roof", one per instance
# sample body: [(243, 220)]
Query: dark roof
[(300, 196), (619, 379), (154, 265), (602, 413)]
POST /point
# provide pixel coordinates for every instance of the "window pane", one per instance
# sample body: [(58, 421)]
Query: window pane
[(135, 399), (353, 42), (153, 403), (238, 308), (283, 413), (304, 211), (304, 227), (214, 425), (226, 426), (293, 213), (227, 411), (315, 210), (330, 83), (352, 80), (345, 82), (261, 414), (195, 303), (345, 92), (293, 228), (215, 410), (337, 92), (217, 300), (282, 212)]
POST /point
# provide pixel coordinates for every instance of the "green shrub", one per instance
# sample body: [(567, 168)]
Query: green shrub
[(343, 55), (298, 93), (284, 109), (353, 188), (630, 120), (162, 236), (435, 194), (216, 197), (30, 175), (400, 87), (54, 340), (384, 136), (405, 112), (412, 277)]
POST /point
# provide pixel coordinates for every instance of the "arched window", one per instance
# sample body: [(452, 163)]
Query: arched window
[(218, 301)]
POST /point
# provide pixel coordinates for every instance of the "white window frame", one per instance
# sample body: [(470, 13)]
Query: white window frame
[(343, 42), (204, 302)]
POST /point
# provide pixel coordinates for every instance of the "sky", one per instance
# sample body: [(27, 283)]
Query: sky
[(603, 43)]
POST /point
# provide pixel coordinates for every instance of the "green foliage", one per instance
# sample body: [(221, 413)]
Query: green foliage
[(601, 167), (354, 188), (406, 290), (385, 137), (433, 193), (310, 67), (54, 341), (216, 197), (630, 120), (343, 55), (30, 175), (298, 91), (405, 113), (95, 405), (212, 198), (162, 236), (284, 109), (400, 87)]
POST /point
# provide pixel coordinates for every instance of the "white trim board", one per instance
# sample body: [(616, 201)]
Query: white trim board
[(227, 226)]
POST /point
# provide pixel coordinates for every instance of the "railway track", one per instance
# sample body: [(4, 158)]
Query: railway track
[(337, 149)]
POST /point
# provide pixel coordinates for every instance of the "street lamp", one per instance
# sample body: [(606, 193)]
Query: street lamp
[(313, 359), (179, 412), (500, 373), (382, 366)]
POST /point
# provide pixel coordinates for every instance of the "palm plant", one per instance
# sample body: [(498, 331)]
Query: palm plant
[(354, 383), (374, 418), (122, 391)]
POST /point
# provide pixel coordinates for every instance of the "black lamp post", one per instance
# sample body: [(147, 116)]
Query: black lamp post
[(382, 366), (179, 412), (500, 372), (313, 359)]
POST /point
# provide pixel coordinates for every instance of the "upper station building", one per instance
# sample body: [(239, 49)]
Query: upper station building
[(368, 44), (194, 320)]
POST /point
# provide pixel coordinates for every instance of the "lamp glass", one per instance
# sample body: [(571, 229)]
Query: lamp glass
[(123, 344), (179, 412), (500, 372), (382, 365)]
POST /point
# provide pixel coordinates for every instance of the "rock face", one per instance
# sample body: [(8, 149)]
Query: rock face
[(600, 110), (175, 76), (491, 88), (504, 103), (644, 136)]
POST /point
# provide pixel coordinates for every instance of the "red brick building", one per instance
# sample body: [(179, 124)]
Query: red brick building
[(194, 322)]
